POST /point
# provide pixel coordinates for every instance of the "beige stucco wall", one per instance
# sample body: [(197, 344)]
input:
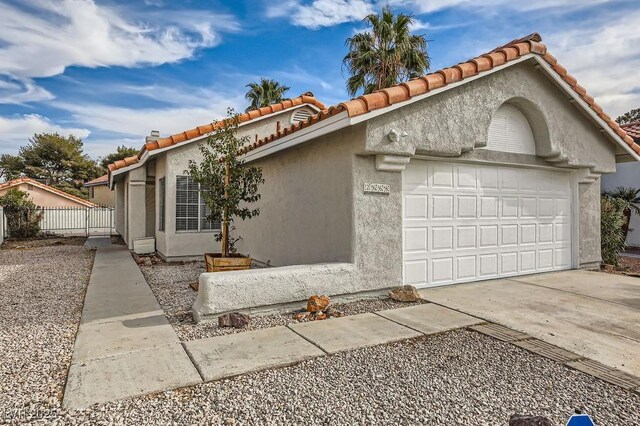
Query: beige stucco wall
[(170, 164), (43, 198), (103, 196), (306, 209)]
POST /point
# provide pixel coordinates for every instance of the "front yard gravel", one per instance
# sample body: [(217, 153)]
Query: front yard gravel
[(170, 285), (454, 378), (42, 289)]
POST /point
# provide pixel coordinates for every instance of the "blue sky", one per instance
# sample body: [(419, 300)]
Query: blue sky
[(111, 71)]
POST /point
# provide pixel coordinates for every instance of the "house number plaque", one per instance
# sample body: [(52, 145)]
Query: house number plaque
[(377, 188)]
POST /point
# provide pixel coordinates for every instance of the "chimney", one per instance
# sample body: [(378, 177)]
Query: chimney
[(155, 135)]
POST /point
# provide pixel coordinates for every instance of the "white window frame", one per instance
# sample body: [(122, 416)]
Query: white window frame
[(201, 213)]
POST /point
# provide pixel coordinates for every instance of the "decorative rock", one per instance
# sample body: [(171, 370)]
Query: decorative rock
[(528, 420), (331, 312), (405, 293), (319, 316), (301, 316), (317, 303), (234, 319)]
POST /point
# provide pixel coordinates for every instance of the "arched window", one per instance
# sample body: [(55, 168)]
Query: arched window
[(302, 114), (509, 131)]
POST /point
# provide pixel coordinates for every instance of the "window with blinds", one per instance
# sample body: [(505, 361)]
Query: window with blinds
[(191, 211), (162, 203)]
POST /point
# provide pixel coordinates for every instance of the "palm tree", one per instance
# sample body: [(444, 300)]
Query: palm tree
[(631, 198), (385, 55), (265, 93)]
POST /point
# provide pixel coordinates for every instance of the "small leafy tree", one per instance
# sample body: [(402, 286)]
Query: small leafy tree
[(227, 186), (23, 216), (611, 221)]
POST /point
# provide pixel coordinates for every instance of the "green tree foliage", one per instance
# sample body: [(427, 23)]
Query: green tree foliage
[(55, 160), (227, 186), (631, 199), (11, 166), (23, 216), (629, 116), (386, 54), (264, 93), (121, 153), (612, 220)]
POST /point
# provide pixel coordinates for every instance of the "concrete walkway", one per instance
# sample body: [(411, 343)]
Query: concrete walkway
[(125, 346), (593, 314)]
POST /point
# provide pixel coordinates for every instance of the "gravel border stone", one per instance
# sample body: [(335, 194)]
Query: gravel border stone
[(458, 377), (170, 284), (41, 296)]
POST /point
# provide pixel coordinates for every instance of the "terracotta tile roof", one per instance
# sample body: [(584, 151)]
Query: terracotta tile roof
[(41, 185), (102, 180), (633, 130), (419, 86), (305, 98)]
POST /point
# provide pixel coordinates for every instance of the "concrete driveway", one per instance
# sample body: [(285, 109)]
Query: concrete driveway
[(593, 314)]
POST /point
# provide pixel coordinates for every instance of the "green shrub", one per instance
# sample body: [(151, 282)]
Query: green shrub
[(612, 219), (23, 217)]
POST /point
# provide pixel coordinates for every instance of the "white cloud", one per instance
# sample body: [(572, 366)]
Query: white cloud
[(21, 90), (605, 58), (187, 109), (321, 13), (16, 130), (428, 6), (41, 38)]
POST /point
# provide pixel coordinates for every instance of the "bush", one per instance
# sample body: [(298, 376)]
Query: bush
[(612, 219), (23, 217)]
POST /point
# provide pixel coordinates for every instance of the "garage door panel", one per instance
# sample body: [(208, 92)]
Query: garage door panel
[(466, 207), (442, 270), (466, 222)]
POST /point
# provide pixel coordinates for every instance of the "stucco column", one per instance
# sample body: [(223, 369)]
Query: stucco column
[(136, 212), (119, 207), (589, 199)]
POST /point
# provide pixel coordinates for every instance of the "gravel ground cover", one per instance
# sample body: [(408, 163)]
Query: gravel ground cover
[(454, 378), (41, 296), (170, 285)]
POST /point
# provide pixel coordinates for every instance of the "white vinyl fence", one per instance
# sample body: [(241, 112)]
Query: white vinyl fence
[(71, 221)]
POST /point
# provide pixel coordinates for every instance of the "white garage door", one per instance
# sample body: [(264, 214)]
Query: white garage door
[(468, 222)]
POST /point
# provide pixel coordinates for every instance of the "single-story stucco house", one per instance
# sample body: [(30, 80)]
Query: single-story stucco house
[(99, 191), (490, 168), (627, 175), (44, 195)]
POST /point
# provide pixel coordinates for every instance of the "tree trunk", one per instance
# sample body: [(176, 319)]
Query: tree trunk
[(225, 216)]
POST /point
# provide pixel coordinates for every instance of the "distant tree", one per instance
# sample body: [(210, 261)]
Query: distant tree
[(386, 54), (11, 166), (121, 153), (265, 93), (55, 160), (629, 116)]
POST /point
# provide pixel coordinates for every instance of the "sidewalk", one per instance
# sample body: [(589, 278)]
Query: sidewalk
[(125, 346)]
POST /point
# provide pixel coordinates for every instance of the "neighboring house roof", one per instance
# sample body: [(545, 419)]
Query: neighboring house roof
[(102, 180), (304, 99), (26, 180), (633, 130), (404, 92)]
